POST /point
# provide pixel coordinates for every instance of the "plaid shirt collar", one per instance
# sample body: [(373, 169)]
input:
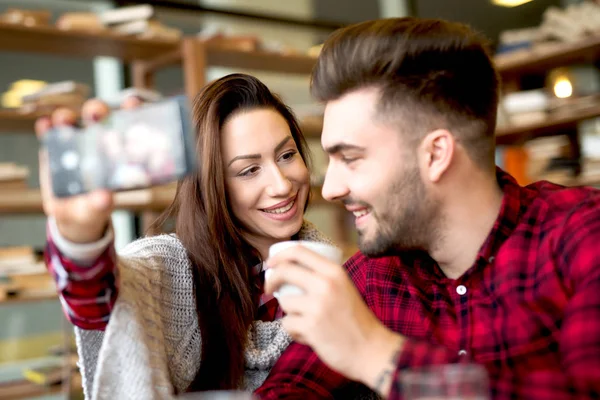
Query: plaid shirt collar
[(514, 204)]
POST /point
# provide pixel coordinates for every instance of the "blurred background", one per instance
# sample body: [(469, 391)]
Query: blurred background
[(546, 51)]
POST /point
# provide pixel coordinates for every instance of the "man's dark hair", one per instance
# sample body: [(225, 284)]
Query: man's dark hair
[(432, 74)]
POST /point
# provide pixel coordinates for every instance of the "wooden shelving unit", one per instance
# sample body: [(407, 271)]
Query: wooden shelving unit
[(13, 121), (156, 200), (560, 122), (540, 60), (146, 57), (312, 127), (16, 122), (54, 41), (259, 60)]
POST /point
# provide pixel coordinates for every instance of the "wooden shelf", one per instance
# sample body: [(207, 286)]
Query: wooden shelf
[(30, 201), (540, 60), (311, 127), (15, 122), (156, 199), (28, 299), (51, 40), (559, 122), (259, 60)]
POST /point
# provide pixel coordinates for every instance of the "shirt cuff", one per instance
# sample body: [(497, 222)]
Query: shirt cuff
[(83, 254)]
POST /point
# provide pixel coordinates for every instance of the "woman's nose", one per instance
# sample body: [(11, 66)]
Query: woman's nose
[(280, 184)]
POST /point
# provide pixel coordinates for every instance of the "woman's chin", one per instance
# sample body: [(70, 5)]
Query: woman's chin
[(288, 230)]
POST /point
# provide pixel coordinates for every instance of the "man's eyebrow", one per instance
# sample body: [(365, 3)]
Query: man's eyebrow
[(336, 148), (244, 157), (281, 144)]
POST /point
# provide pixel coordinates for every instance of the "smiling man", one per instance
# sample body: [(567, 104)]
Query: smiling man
[(457, 262)]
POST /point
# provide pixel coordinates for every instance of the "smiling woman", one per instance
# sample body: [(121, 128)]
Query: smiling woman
[(187, 311), (246, 157), (267, 178)]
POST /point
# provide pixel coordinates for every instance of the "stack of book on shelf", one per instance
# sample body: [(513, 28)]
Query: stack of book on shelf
[(68, 94), (13, 177), (576, 22), (524, 108), (590, 153), (23, 275), (137, 20), (549, 158)]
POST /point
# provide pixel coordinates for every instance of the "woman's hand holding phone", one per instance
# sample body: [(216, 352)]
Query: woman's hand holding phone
[(82, 218)]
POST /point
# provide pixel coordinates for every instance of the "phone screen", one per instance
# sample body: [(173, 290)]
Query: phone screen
[(130, 149)]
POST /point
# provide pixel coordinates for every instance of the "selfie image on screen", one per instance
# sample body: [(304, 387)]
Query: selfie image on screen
[(129, 149)]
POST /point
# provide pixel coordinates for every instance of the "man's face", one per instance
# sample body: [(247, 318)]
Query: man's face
[(375, 172)]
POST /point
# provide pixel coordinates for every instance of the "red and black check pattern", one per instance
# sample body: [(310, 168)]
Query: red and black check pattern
[(528, 309), (88, 292)]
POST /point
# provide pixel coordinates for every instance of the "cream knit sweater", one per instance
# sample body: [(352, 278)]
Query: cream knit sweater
[(151, 346)]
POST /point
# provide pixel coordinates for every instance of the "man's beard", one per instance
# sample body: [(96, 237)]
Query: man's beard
[(409, 222)]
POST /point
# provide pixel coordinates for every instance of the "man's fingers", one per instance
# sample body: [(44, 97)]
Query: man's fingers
[(305, 257), (295, 326), (291, 274), (296, 305)]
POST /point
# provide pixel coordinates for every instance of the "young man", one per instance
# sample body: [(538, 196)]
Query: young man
[(458, 263)]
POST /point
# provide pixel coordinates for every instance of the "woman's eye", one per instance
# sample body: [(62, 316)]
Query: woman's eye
[(288, 156), (249, 171)]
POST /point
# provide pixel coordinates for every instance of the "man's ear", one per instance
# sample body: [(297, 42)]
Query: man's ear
[(437, 149)]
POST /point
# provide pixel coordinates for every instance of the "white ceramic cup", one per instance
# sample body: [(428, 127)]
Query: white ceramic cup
[(328, 251)]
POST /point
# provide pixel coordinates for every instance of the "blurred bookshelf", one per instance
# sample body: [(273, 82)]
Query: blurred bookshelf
[(72, 43), (548, 56), (555, 123), (13, 121), (29, 201), (521, 139)]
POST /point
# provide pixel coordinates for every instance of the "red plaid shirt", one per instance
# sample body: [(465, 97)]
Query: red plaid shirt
[(528, 309), (88, 292)]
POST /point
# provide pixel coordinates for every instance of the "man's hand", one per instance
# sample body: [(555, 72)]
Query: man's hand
[(332, 318)]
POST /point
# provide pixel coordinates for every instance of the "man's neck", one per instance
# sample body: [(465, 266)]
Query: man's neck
[(468, 222)]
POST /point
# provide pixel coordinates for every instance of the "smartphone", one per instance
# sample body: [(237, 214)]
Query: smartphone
[(130, 149)]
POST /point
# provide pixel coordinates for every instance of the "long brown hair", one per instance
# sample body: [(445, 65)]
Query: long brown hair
[(220, 256)]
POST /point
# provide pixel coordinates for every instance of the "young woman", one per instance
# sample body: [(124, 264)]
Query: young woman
[(186, 310)]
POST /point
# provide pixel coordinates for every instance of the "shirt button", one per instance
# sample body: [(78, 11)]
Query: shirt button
[(461, 289), (491, 259), (462, 353)]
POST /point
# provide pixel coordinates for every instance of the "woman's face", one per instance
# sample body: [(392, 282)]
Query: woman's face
[(266, 179)]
